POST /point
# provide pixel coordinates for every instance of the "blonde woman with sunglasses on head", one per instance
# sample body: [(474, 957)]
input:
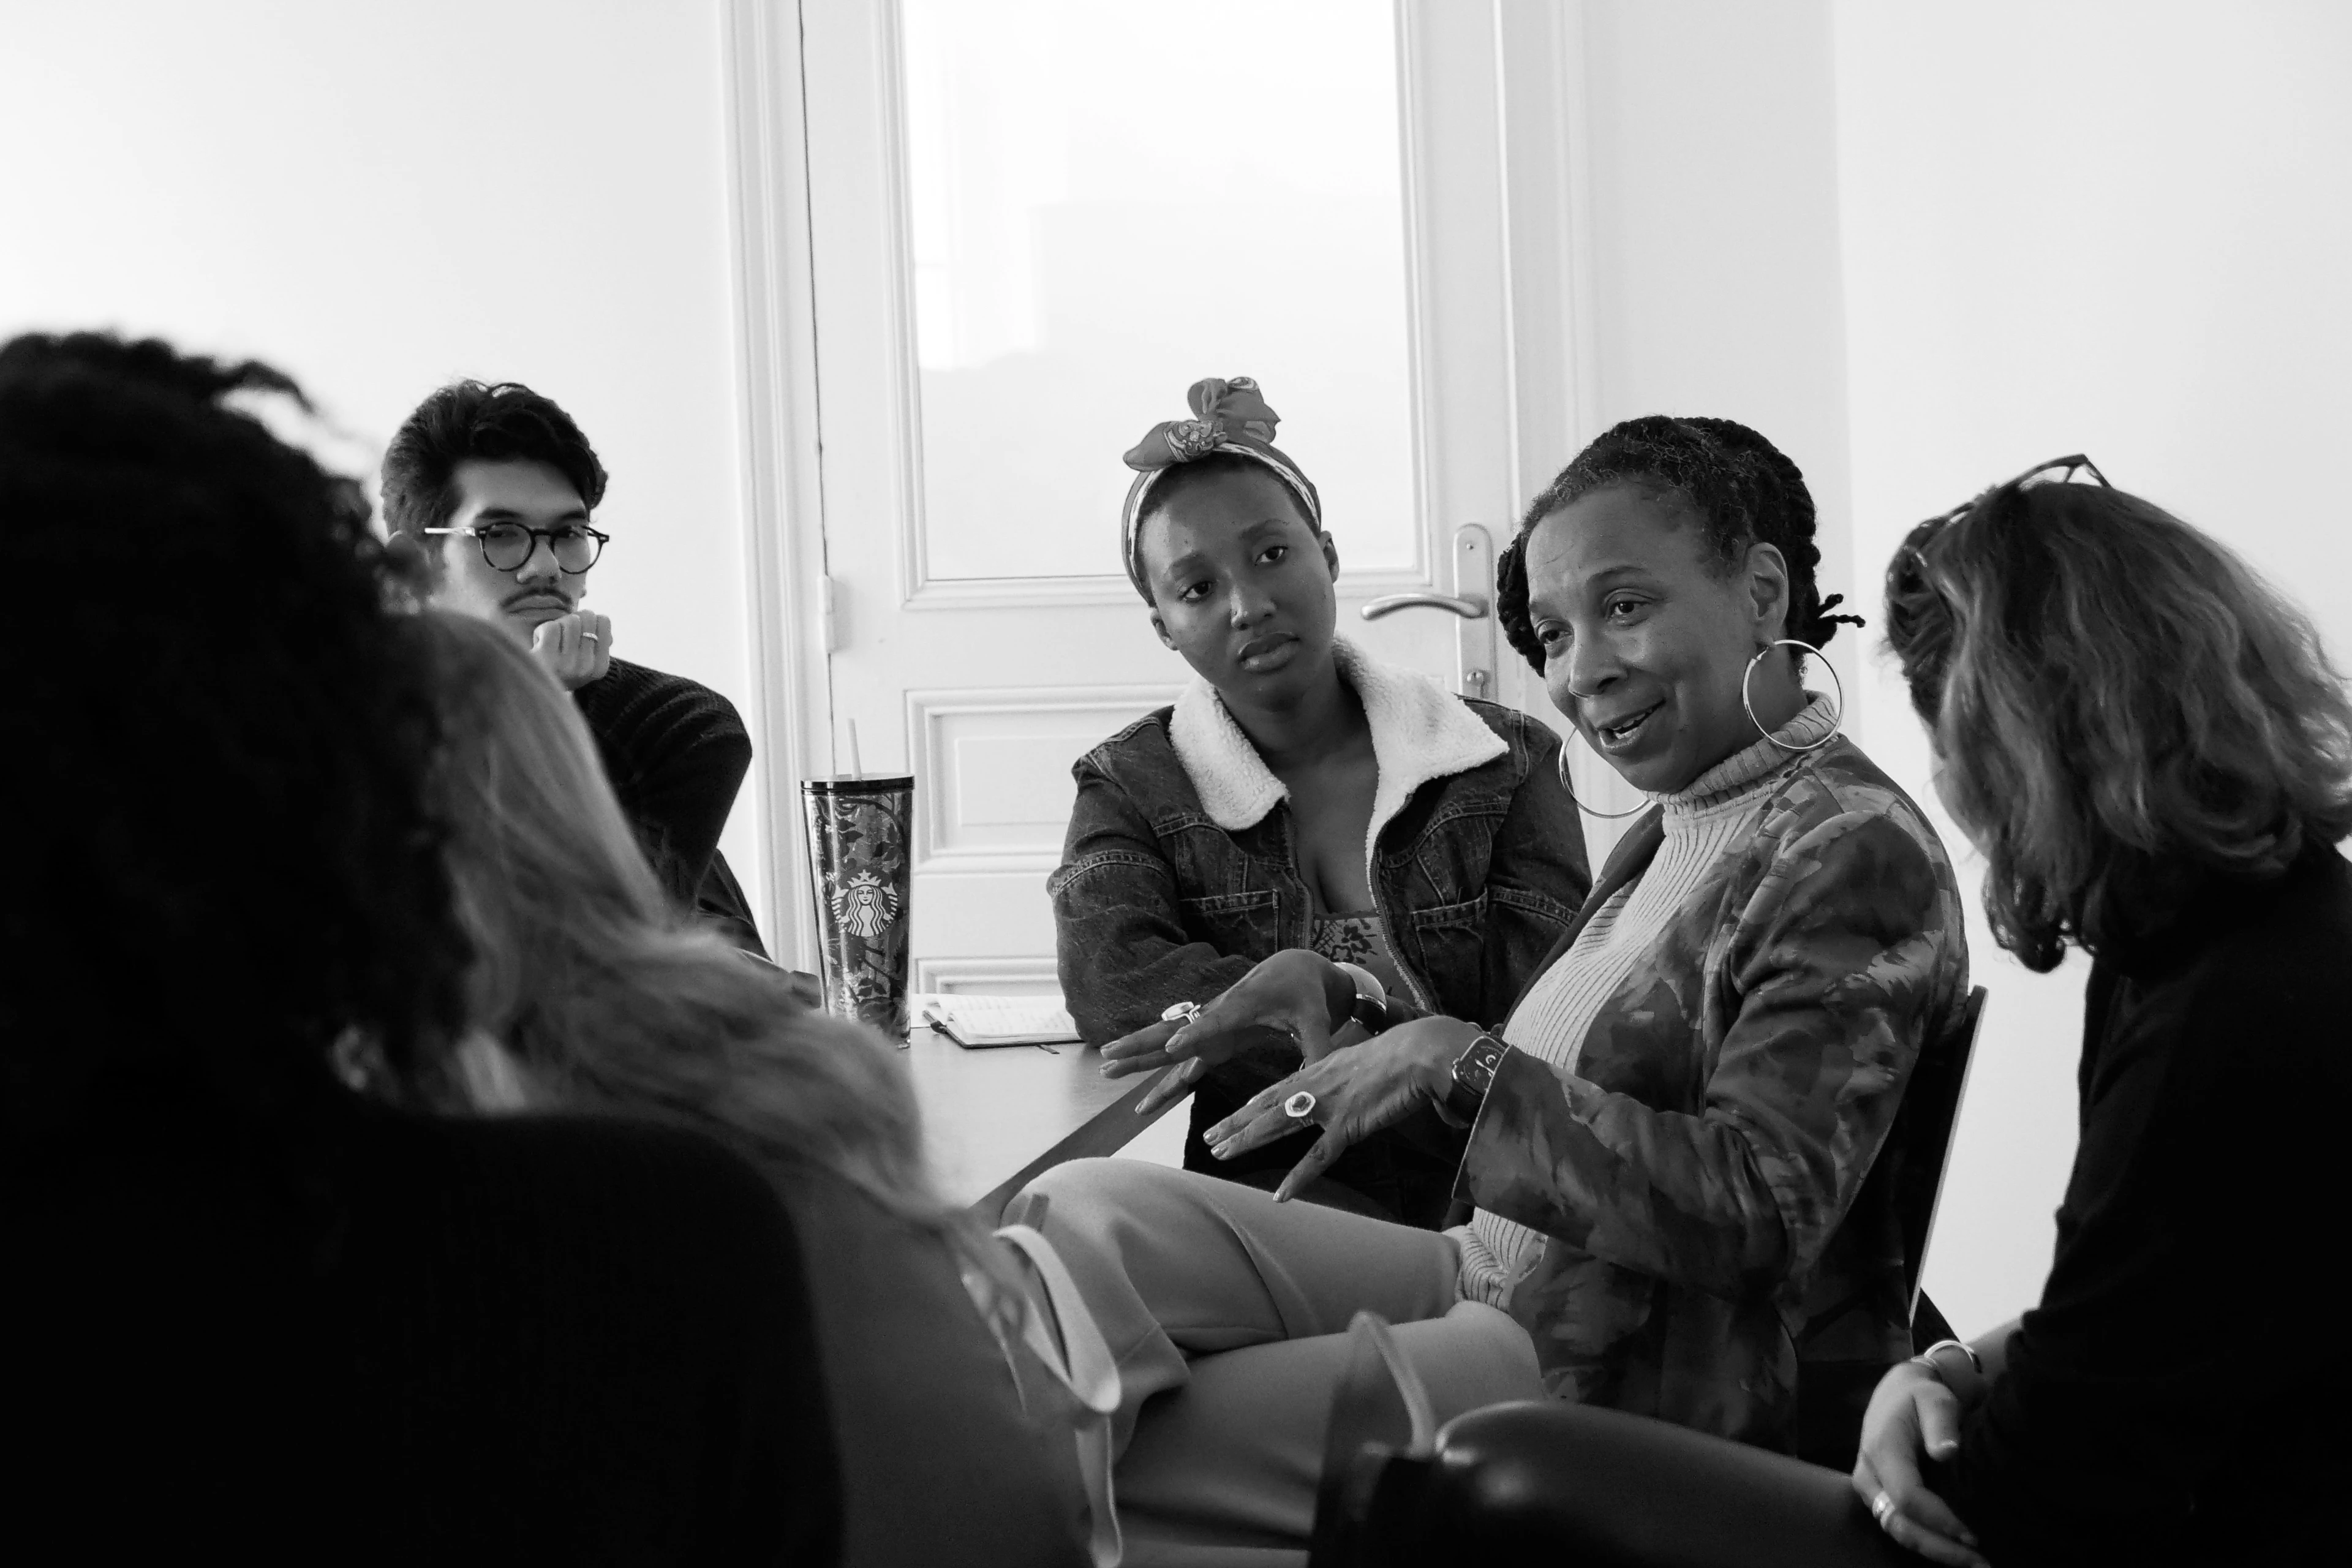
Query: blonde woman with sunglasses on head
[(2152, 751)]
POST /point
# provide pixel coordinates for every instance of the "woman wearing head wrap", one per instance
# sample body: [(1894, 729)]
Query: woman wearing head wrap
[(1298, 795)]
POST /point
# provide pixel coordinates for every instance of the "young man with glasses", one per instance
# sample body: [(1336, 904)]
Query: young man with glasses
[(494, 485)]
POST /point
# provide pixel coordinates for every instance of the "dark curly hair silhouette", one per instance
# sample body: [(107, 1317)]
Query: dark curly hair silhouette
[(1743, 488), (216, 760)]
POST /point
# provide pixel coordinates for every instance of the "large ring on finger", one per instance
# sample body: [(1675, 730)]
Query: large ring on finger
[(1882, 1509), (1299, 1107), (1184, 1010)]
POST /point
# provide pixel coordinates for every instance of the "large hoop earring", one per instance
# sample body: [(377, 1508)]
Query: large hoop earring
[(1750, 674), (1561, 761)]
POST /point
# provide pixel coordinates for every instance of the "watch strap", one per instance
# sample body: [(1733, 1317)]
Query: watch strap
[(1472, 1076)]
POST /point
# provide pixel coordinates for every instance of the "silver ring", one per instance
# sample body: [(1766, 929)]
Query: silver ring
[(1882, 1509), (1187, 1011), (1299, 1107), (589, 636)]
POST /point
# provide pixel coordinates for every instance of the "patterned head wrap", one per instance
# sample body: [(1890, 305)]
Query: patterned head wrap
[(1227, 416)]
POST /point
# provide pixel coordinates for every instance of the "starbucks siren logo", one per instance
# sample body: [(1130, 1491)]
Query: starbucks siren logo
[(866, 905)]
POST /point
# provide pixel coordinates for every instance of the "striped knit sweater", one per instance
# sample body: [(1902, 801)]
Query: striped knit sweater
[(1703, 822)]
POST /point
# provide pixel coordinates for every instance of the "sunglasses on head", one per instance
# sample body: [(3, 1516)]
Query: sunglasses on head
[(2056, 471)]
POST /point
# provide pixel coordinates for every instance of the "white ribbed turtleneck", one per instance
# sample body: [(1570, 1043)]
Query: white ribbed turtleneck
[(1702, 823)]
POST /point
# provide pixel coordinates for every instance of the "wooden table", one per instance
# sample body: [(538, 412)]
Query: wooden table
[(993, 1119)]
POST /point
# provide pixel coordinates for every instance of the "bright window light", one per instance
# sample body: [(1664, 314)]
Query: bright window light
[(1111, 199)]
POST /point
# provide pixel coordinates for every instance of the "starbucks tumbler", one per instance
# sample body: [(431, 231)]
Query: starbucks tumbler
[(858, 869)]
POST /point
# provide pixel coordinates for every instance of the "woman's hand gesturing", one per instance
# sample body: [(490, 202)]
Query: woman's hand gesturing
[(1913, 1417), (1287, 996), (1356, 1092)]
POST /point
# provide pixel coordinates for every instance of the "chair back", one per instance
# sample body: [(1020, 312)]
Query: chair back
[(1547, 1482), (1921, 1141), (1833, 1382)]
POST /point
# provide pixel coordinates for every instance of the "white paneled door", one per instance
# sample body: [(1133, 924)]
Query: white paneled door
[(1029, 225)]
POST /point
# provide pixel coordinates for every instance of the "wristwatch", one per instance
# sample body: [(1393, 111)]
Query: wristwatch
[(1473, 1075), (1370, 1006)]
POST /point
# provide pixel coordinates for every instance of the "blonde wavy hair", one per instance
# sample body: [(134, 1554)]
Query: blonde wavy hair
[(2121, 709), (601, 994)]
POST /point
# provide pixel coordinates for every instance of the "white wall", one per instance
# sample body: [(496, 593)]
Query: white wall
[(2099, 228), (381, 198), (1713, 161)]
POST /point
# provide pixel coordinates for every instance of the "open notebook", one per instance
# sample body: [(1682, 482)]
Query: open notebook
[(977, 1021)]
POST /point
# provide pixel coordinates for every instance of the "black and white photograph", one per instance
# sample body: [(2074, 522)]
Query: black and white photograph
[(1195, 784)]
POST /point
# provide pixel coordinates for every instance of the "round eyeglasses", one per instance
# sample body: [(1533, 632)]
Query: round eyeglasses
[(506, 545)]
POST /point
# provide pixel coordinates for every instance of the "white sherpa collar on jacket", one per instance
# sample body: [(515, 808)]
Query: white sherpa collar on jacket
[(1420, 732)]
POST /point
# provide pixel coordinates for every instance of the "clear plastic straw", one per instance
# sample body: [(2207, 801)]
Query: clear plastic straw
[(857, 763)]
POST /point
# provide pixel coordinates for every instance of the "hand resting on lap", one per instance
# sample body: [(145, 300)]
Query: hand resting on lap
[(1913, 1417)]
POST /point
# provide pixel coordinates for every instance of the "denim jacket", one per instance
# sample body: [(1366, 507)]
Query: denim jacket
[(1180, 873)]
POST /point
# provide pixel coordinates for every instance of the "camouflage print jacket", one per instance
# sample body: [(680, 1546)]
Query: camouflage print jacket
[(1695, 1177)]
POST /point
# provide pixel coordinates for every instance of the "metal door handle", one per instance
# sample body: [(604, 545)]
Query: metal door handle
[(1473, 608), (1474, 580)]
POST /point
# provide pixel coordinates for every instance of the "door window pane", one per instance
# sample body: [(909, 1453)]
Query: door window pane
[(1111, 199)]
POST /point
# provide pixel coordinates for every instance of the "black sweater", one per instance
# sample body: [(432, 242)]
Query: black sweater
[(2180, 1393), (676, 753), (515, 1341)]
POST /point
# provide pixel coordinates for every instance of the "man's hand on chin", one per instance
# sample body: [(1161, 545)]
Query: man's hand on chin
[(576, 648)]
